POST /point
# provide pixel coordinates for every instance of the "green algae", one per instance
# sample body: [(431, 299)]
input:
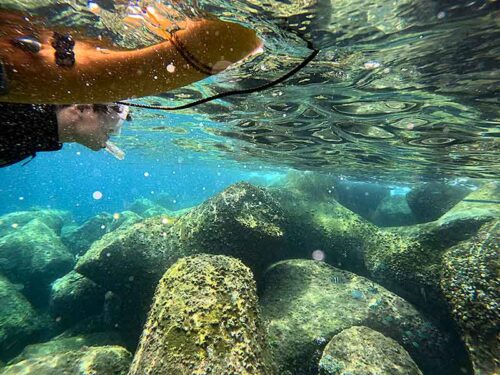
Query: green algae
[(204, 320)]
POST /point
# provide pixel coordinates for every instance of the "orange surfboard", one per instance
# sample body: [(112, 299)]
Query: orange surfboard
[(191, 51)]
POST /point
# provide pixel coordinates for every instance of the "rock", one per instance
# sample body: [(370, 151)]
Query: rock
[(63, 344), (103, 360), (155, 211), (363, 351), (34, 256), (431, 200), (393, 211), (19, 323), (471, 286), (307, 302), (141, 205), (74, 297), (54, 219), (79, 239), (411, 265), (242, 221), (204, 319)]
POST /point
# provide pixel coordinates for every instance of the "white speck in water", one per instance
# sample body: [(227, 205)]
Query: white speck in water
[(14, 225), (116, 216), (21, 198), (103, 226), (318, 255), (155, 77), (131, 278), (108, 254), (174, 201), (369, 65), (170, 68), (78, 153), (146, 174), (97, 195), (164, 221), (441, 15)]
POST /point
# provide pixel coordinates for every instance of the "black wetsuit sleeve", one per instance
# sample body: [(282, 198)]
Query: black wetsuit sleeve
[(26, 129)]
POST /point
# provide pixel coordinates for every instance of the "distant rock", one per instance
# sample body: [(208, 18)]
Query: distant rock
[(101, 360), (34, 256), (19, 322), (431, 200), (242, 221), (79, 238), (363, 351), (74, 297), (393, 211), (306, 303), (54, 219), (204, 319), (471, 285), (141, 205)]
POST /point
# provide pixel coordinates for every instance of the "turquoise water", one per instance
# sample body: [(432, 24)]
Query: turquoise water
[(348, 217)]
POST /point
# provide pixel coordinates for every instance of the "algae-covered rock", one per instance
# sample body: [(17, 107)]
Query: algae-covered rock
[(79, 239), (204, 320), (19, 323), (307, 302), (393, 211), (412, 266), (471, 286), (242, 221), (430, 201), (54, 219), (34, 256), (74, 297), (63, 344), (103, 360), (363, 351)]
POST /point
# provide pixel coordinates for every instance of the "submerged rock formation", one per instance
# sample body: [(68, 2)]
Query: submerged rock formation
[(204, 320), (100, 360), (74, 297), (307, 302), (242, 221), (430, 201), (34, 256), (361, 350), (19, 322), (471, 285)]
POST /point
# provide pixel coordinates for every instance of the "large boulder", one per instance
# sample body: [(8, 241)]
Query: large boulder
[(363, 351), (35, 256), (242, 221), (74, 297), (471, 286), (431, 200), (54, 219), (100, 360), (204, 319), (19, 322), (79, 238), (61, 344), (307, 302)]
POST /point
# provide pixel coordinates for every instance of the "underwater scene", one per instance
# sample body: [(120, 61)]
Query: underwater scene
[(249, 187)]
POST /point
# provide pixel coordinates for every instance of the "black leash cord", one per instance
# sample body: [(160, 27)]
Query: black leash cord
[(265, 86)]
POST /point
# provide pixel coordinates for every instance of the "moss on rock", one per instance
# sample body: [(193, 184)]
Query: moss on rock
[(103, 360), (204, 320), (306, 303), (471, 286), (363, 351)]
